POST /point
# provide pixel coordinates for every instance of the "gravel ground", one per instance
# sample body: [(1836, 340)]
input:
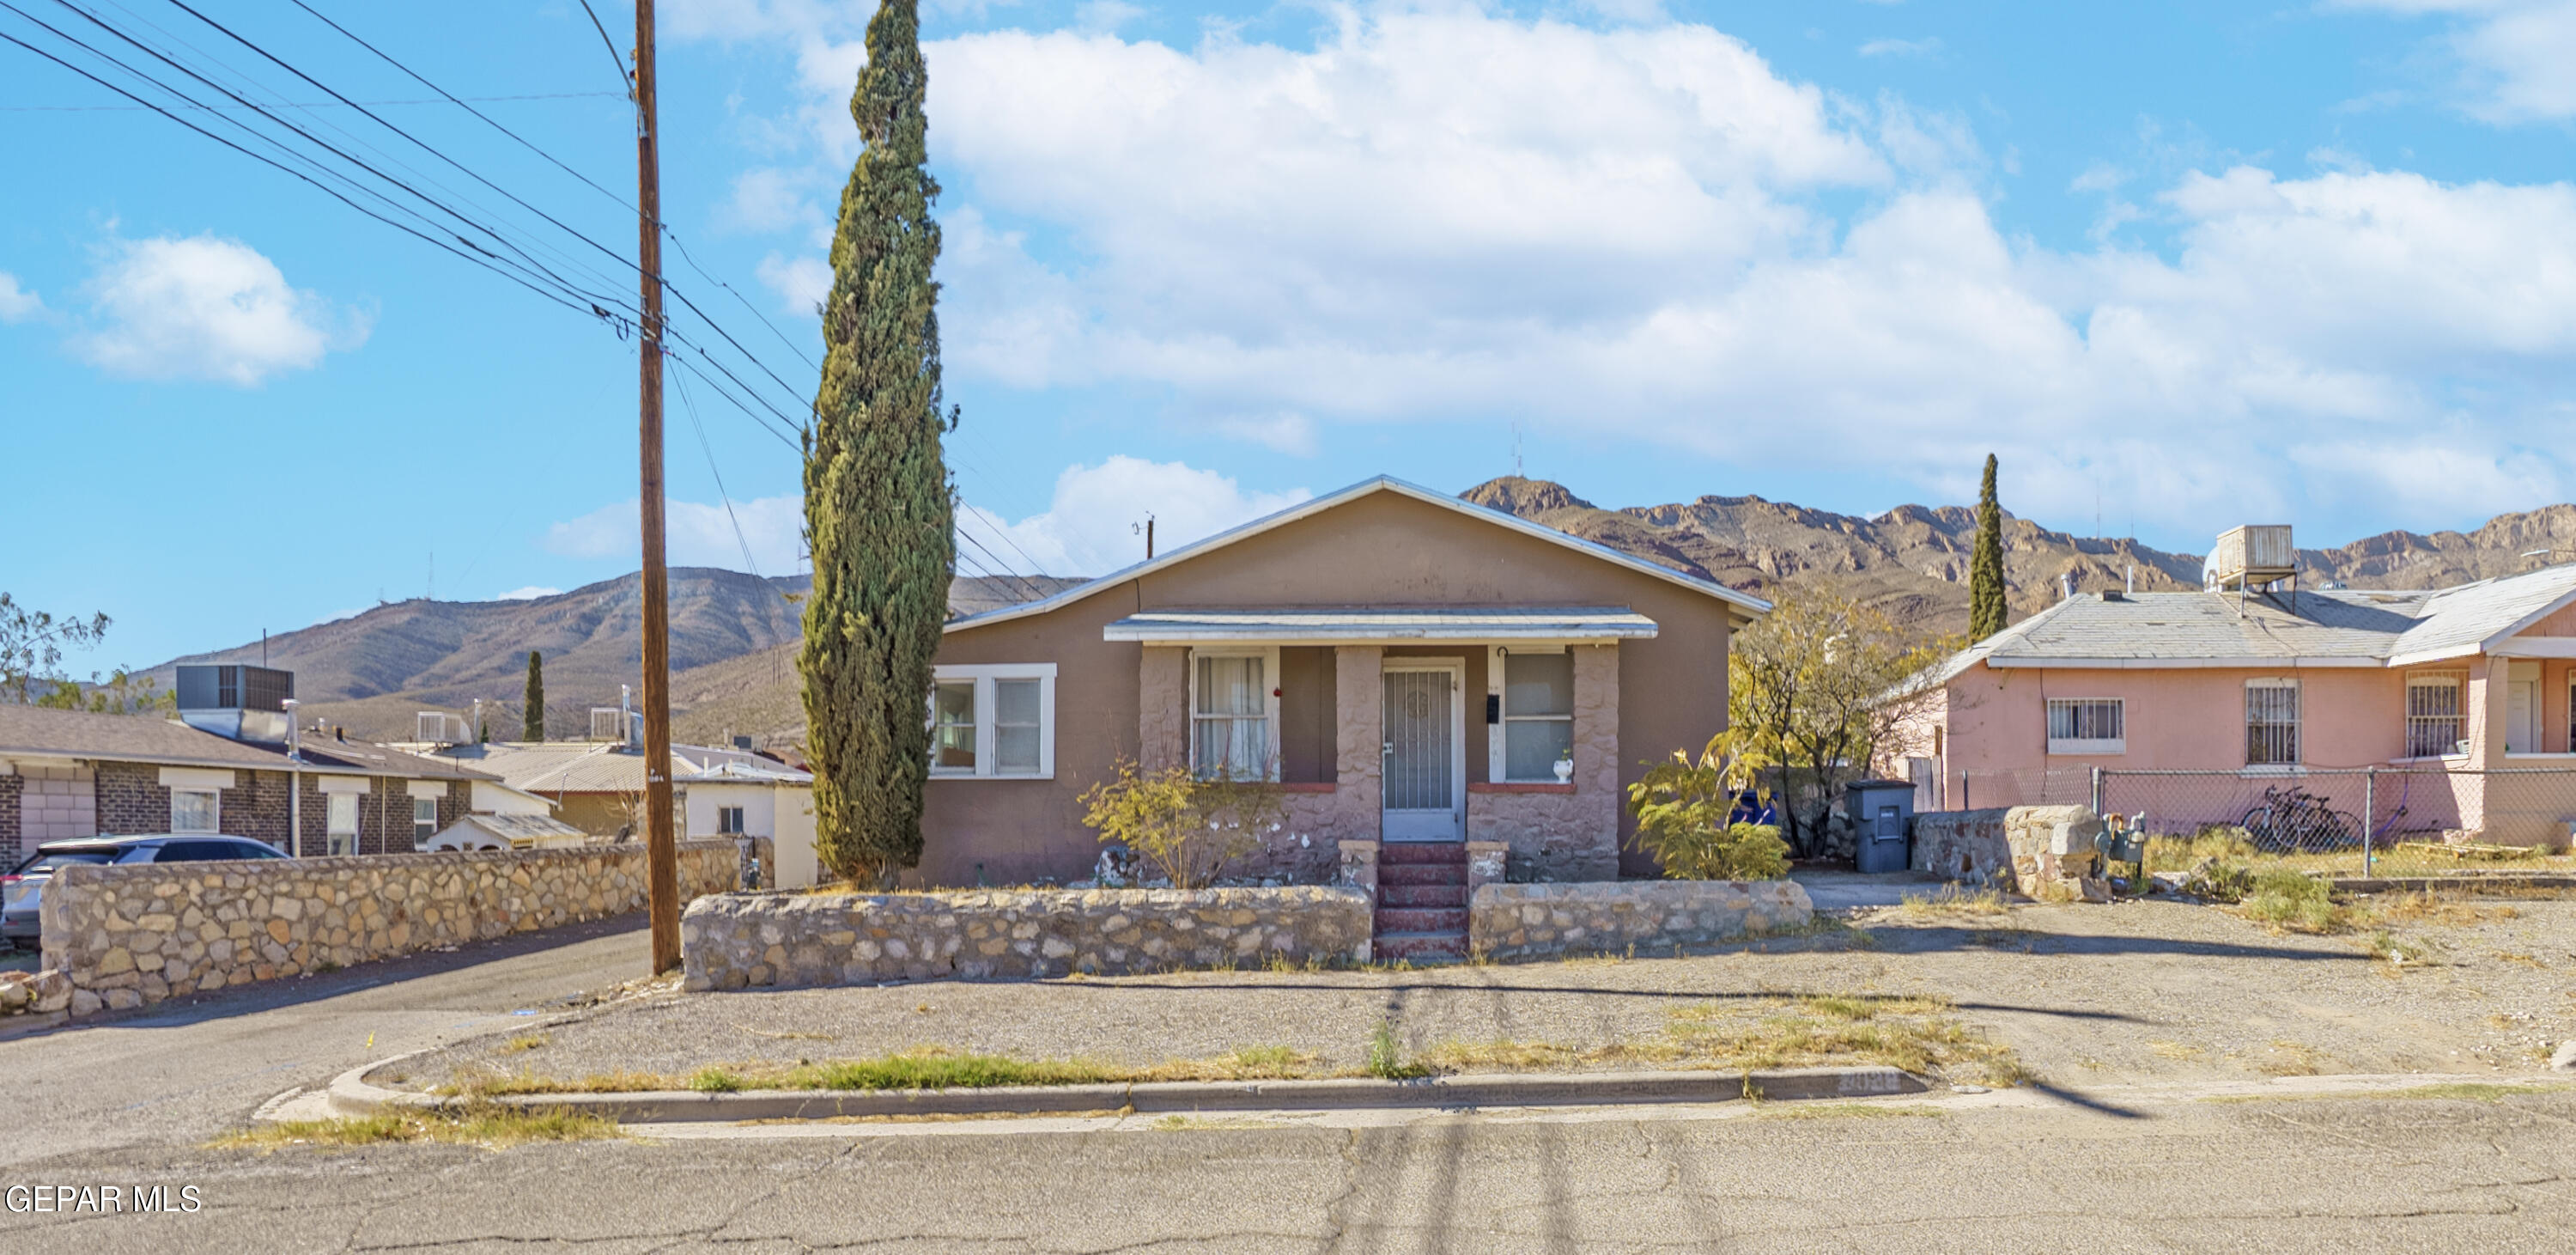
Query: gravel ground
[(2147, 990)]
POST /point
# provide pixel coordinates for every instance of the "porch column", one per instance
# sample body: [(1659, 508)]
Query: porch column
[(1359, 738), (2488, 704), (1162, 707)]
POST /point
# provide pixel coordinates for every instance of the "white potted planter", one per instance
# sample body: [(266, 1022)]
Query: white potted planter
[(1565, 771)]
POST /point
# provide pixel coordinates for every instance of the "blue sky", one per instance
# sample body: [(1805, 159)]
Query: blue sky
[(2200, 262)]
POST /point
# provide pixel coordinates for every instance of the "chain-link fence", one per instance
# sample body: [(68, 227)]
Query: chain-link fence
[(2387, 821)]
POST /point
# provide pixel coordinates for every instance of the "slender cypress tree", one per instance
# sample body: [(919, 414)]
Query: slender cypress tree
[(1986, 612), (534, 727), (879, 512)]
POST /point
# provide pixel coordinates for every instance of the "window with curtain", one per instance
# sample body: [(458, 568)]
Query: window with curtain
[(1230, 720), (2087, 725), (2271, 723), (953, 733), (341, 824), (194, 810), (1538, 714), (1015, 727)]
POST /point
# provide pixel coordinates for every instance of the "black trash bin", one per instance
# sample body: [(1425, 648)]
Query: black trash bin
[(1882, 820)]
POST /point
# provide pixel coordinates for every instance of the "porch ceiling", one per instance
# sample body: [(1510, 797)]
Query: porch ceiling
[(1461, 625)]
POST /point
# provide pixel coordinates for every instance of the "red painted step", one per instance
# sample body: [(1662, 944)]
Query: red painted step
[(1420, 919), (1422, 874), (1449, 894), (1409, 853), (1420, 947)]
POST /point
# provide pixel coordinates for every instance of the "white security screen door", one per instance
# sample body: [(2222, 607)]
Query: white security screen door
[(1425, 786)]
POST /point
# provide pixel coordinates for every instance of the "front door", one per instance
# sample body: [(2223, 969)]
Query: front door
[(1425, 793)]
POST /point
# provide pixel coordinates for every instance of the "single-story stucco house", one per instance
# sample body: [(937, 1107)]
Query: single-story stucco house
[(1409, 666), (2268, 682)]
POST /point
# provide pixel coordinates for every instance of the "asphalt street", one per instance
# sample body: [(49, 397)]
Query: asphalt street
[(132, 1102), (186, 1070)]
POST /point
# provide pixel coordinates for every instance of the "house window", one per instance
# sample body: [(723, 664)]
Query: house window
[(2271, 723), (992, 720), (195, 810), (424, 821), (1230, 718), (1538, 714), (2087, 725), (2434, 720), (729, 821), (341, 824)]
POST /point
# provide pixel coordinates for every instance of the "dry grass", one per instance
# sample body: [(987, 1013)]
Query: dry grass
[(2290, 1058), (2508, 956), (523, 1043), (1915, 1033), (525, 1082), (1948, 900), (927, 1067), (2231, 845), (492, 1126), (1850, 1110), (2182, 1051), (2429, 907)]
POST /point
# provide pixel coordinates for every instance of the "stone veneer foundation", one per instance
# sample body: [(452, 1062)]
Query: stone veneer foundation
[(745, 940), (1538, 921), (129, 935)]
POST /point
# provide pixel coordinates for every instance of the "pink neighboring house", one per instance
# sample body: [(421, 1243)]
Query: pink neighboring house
[(2265, 683)]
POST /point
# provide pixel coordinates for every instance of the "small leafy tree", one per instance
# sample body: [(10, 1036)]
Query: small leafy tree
[(1686, 813), (122, 693), (1814, 690), (533, 726), (32, 644), (1186, 828)]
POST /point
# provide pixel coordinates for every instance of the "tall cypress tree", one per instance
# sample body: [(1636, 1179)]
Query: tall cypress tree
[(533, 728), (1986, 612), (878, 508)]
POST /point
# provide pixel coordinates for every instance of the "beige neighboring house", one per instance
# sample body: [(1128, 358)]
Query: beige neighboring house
[(1408, 666), (597, 788)]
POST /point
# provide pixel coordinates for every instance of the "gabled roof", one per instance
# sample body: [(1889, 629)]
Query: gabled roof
[(2342, 627), (1745, 602), (1468, 623)]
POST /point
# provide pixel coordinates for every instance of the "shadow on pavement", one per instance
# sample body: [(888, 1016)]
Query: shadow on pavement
[(2074, 1099), (291, 991)]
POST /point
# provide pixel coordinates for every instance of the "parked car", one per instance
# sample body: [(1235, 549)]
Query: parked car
[(22, 890)]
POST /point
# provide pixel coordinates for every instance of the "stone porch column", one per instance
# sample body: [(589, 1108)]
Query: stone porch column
[(1359, 738)]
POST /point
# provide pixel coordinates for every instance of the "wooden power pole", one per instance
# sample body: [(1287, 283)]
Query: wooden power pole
[(661, 849)]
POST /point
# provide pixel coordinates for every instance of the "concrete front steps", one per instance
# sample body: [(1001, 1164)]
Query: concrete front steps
[(1421, 902)]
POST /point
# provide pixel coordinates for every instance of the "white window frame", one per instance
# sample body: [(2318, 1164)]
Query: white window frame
[(738, 814), (983, 674), (357, 820), (2088, 745), (2297, 725), (2458, 683), (1497, 740), (1274, 686), (420, 840), (214, 805)]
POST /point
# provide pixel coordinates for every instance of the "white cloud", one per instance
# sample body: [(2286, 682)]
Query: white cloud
[(1458, 215), (1090, 528), (768, 199), (2512, 57), (1105, 15), (530, 593), (694, 534), (1901, 47), (800, 282), (17, 304), (207, 308)]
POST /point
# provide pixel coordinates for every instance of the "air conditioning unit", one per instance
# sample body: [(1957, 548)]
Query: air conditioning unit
[(437, 727), (607, 723)]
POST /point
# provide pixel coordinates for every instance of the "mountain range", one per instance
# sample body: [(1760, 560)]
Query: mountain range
[(733, 636)]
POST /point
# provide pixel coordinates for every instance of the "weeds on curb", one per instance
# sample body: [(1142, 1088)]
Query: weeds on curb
[(1386, 1059), (491, 1126), (2295, 902), (1949, 901), (523, 1043)]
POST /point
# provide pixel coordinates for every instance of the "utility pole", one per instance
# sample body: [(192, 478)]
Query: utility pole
[(661, 850)]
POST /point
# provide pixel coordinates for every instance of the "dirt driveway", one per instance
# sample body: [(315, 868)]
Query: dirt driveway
[(2136, 991)]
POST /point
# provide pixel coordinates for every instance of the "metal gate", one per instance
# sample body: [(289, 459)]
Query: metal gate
[(1421, 787)]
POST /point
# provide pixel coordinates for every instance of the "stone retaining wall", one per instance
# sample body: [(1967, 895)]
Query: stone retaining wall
[(2044, 852), (740, 940), (129, 935), (1609, 917), (1964, 845)]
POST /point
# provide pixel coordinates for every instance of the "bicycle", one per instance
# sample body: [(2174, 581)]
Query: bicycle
[(2291, 819)]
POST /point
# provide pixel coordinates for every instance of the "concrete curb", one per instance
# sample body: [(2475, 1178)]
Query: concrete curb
[(351, 1094)]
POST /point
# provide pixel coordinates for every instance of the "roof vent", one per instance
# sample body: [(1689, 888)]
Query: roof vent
[(2113, 594), (2252, 556)]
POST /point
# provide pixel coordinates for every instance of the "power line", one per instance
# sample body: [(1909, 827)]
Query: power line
[(310, 104), (681, 386), (622, 71)]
